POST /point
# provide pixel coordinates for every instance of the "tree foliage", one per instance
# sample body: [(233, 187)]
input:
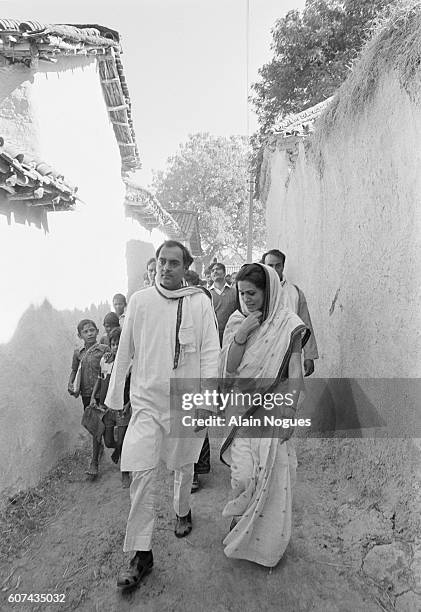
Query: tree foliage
[(210, 175), (313, 52)]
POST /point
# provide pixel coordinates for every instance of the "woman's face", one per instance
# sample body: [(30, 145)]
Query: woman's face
[(251, 295)]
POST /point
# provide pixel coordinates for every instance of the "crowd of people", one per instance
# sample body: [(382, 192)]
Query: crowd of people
[(252, 328)]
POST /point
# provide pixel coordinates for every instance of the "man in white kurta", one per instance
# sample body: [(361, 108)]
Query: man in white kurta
[(294, 300), (161, 350)]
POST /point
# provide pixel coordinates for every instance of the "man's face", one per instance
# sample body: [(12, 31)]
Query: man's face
[(171, 267), (151, 269), (217, 273), (119, 306), (88, 334), (276, 263)]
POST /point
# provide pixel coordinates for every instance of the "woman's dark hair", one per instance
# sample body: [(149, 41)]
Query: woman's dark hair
[(151, 260), (254, 273)]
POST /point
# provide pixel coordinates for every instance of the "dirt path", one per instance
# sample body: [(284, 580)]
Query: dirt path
[(79, 553)]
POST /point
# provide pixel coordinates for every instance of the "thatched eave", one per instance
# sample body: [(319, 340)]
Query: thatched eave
[(30, 188), (27, 41)]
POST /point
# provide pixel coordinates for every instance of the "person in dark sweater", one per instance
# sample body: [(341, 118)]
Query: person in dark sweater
[(224, 300), (224, 297)]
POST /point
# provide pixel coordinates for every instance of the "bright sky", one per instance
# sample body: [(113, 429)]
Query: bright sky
[(186, 67), (185, 61)]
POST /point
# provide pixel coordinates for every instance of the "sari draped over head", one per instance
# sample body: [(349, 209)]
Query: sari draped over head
[(262, 507), (268, 348)]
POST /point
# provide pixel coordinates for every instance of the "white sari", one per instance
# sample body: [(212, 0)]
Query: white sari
[(262, 468)]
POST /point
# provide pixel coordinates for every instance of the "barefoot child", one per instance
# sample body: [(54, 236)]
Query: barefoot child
[(113, 418), (87, 359)]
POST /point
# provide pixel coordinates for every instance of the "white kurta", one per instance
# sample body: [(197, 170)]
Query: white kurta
[(148, 337)]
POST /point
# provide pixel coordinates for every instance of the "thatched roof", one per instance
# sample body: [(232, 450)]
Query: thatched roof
[(188, 222), (31, 187), (300, 124), (30, 42), (143, 206), (181, 225), (286, 136)]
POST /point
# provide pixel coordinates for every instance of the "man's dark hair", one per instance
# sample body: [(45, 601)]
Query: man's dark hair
[(275, 253), (120, 296), (84, 322), (187, 258), (218, 264)]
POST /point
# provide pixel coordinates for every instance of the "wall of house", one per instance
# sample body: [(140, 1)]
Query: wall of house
[(56, 113), (349, 222), (347, 215)]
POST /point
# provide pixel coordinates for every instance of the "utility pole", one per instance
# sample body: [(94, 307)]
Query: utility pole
[(250, 223), (251, 182)]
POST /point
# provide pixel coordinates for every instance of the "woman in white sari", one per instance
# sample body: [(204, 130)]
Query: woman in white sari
[(261, 350)]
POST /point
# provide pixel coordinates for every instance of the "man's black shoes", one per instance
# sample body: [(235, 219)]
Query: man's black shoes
[(140, 565), (183, 525)]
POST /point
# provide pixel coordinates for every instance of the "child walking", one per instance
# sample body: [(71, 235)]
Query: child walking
[(85, 365), (113, 418)]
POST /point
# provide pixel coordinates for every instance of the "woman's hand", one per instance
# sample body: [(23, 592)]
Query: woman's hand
[(250, 323)]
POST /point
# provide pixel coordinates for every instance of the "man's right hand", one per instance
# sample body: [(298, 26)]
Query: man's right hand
[(70, 389), (250, 323)]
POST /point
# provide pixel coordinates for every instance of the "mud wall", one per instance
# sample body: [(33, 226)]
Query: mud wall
[(345, 208), (39, 421), (349, 222)]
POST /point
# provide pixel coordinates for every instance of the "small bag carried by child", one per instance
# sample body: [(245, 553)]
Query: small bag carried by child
[(92, 421)]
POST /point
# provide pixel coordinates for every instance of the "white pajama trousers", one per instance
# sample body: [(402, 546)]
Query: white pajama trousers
[(143, 498)]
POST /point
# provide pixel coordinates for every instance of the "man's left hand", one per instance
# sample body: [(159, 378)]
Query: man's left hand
[(201, 413), (308, 367)]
